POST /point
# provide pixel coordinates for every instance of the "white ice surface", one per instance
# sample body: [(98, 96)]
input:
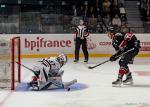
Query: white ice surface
[(97, 93)]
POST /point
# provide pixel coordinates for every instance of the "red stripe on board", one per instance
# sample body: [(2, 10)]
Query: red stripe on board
[(143, 73)]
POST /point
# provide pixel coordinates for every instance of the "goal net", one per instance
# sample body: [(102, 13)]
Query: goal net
[(9, 57)]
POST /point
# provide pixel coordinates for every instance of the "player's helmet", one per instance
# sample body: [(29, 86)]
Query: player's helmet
[(62, 59), (111, 29), (111, 32)]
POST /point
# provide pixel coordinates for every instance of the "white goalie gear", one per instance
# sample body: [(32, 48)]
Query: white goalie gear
[(39, 82), (50, 74), (62, 59)]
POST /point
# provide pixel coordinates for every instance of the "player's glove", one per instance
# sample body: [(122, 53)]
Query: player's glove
[(113, 57)]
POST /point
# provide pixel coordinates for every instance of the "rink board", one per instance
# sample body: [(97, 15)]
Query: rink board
[(99, 45)]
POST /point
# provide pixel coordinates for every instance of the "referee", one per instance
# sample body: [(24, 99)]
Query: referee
[(80, 38)]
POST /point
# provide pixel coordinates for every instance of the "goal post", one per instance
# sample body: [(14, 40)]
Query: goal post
[(10, 71), (16, 51)]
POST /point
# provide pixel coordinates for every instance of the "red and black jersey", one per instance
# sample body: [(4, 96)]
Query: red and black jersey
[(125, 42)]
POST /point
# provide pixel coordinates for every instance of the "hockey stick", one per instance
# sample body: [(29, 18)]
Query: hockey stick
[(91, 67), (60, 85), (36, 74)]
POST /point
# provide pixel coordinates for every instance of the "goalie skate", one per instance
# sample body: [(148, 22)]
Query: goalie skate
[(34, 88), (34, 84)]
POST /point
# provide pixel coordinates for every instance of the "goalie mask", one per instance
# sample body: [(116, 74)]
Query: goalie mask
[(62, 59)]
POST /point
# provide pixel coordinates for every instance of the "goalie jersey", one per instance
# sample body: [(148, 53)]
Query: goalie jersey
[(53, 64)]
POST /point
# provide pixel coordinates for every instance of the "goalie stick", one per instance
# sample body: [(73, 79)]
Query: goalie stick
[(58, 84), (91, 67), (36, 74)]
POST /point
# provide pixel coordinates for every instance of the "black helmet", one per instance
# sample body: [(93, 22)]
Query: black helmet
[(111, 29), (114, 29)]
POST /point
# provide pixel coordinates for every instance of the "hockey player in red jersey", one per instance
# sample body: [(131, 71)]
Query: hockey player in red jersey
[(122, 43)]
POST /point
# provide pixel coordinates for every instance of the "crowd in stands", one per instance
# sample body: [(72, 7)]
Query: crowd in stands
[(100, 14), (62, 18), (145, 9)]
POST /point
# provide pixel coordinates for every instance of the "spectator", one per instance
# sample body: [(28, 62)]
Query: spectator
[(114, 9), (92, 23), (106, 7), (121, 3), (98, 5), (116, 21), (107, 20), (91, 12), (99, 27), (123, 19), (74, 10), (81, 11), (86, 12), (115, 2)]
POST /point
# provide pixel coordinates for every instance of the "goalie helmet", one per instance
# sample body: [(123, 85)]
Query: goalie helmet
[(62, 59)]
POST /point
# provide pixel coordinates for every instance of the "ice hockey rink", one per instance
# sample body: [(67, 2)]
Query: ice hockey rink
[(93, 88)]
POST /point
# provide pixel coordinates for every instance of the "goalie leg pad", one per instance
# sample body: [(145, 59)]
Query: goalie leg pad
[(51, 81)]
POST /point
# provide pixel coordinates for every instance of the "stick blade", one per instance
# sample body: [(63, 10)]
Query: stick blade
[(90, 67)]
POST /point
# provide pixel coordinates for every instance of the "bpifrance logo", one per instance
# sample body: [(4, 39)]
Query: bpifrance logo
[(38, 43)]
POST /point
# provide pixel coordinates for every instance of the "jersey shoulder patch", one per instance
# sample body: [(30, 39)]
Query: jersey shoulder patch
[(128, 36)]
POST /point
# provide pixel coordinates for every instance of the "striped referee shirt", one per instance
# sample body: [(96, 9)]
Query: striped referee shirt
[(81, 31)]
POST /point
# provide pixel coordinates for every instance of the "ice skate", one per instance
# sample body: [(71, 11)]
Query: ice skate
[(128, 80), (76, 61), (86, 60), (117, 83)]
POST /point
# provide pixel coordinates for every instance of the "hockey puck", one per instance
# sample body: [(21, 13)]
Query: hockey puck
[(68, 89)]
